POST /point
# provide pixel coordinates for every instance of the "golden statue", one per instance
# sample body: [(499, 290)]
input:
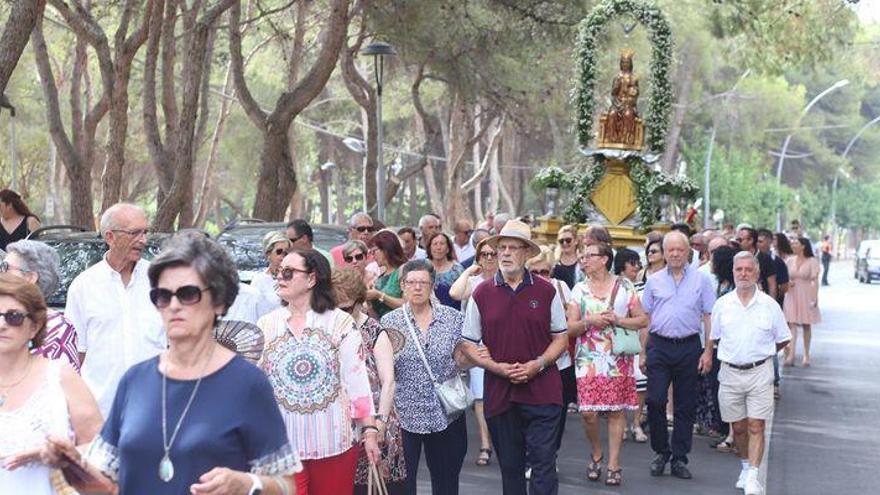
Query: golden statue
[(621, 127)]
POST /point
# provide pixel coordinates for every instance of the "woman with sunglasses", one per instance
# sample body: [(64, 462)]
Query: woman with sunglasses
[(275, 247), (38, 263), (379, 346), (385, 293), (605, 380), (566, 266), (446, 269), (654, 256), (423, 421), (483, 269), (628, 264), (177, 425), (41, 401), (315, 362)]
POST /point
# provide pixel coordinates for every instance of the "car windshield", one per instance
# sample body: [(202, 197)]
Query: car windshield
[(245, 242)]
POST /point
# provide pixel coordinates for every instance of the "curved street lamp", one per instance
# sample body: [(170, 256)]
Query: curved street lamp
[(840, 171), (837, 85), (379, 50)]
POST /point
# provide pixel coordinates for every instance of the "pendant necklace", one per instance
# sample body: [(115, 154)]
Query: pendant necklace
[(166, 467), (8, 388)]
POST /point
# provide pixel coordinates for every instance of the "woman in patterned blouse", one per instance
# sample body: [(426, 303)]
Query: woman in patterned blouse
[(315, 361), (423, 420), (38, 263)]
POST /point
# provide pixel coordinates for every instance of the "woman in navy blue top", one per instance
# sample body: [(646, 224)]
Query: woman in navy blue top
[(197, 418)]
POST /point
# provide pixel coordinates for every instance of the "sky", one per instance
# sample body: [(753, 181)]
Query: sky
[(868, 11)]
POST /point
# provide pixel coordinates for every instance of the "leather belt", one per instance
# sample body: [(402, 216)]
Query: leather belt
[(677, 340), (747, 366)]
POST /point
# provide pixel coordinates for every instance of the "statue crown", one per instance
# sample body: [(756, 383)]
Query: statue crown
[(627, 53)]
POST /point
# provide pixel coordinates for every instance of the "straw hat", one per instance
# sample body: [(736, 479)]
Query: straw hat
[(515, 229), (272, 238)]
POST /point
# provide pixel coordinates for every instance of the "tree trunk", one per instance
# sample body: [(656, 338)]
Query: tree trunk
[(686, 72), (22, 18)]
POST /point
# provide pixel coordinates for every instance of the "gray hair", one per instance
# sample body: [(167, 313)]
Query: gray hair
[(417, 266), (426, 217), (746, 255), (108, 218), (206, 257), (478, 235), (350, 246), (352, 221), (40, 258), (675, 235)]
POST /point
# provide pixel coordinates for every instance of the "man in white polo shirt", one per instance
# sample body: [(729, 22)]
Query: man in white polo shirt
[(109, 305), (749, 329)]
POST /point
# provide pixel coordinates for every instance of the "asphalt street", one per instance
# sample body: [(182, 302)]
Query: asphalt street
[(824, 437)]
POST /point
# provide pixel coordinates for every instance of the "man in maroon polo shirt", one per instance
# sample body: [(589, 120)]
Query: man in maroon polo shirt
[(521, 321)]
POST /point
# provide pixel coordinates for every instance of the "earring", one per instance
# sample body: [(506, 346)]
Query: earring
[(30, 345)]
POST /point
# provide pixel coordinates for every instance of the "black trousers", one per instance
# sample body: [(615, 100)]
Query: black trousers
[(675, 362), (569, 395), (444, 454), (521, 431), (826, 263)]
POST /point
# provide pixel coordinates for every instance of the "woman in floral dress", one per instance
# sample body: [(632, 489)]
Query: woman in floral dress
[(605, 381), (380, 346)]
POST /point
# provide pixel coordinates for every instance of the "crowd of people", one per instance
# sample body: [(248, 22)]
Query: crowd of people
[(365, 346)]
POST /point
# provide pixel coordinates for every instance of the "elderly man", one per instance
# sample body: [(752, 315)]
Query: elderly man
[(428, 225), (521, 321), (750, 329), (109, 305), (678, 299), (360, 228), (461, 240)]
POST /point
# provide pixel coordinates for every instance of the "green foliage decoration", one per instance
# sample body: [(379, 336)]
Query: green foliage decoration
[(583, 184), (589, 30), (553, 176)]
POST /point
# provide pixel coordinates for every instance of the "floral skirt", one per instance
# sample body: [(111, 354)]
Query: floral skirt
[(605, 381), (392, 467), (601, 393)]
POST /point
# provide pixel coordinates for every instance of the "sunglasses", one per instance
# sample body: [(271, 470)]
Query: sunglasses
[(14, 318), (347, 309), (134, 232), (653, 251), (354, 257), (286, 274), (365, 228), (294, 239), (187, 295), (565, 240), (280, 251), (487, 255), (542, 273)]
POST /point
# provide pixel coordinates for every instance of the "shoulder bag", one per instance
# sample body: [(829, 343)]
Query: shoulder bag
[(453, 394), (623, 340)]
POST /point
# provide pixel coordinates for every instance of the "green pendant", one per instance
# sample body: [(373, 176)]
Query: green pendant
[(166, 469)]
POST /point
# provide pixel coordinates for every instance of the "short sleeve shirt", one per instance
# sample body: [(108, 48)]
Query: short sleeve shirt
[(748, 332), (677, 308)]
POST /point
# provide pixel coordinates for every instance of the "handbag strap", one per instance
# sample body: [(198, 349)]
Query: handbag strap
[(614, 294), (418, 343)]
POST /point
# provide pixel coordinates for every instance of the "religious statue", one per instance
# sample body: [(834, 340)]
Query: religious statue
[(620, 127)]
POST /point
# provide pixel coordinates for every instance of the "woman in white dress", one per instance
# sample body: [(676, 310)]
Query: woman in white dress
[(275, 247), (41, 401)]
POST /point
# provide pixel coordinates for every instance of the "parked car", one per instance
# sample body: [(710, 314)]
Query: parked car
[(79, 249), (244, 241), (868, 265), (861, 252)]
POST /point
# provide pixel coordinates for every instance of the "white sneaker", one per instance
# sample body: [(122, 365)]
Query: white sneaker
[(741, 481), (753, 486), (528, 473)]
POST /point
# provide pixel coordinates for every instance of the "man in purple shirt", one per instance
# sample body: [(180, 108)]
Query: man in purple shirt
[(679, 299), (521, 321)]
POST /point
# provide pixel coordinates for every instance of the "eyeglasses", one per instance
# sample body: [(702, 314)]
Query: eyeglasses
[(565, 240), (280, 251), (187, 295), (134, 232), (286, 273), (487, 254), (592, 255), (5, 267), (417, 283), (365, 228), (354, 257), (294, 239), (542, 273), (14, 318)]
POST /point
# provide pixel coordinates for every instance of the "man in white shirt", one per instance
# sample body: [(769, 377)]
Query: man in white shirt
[(429, 225), (749, 329), (461, 240), (109, 305)]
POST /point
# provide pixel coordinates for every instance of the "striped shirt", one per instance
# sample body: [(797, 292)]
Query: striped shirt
[(60, 340)]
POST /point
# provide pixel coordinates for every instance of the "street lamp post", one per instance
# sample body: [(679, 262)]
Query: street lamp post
[(839, 171), (379, 50), (837, 85)]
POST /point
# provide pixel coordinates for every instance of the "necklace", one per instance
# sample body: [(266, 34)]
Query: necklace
[(166, 467), (8, 388)]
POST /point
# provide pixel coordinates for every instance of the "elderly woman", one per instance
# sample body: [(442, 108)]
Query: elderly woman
[(175, 425), (354, 253), (385, 293), (38, 263), (424, 422), (446, 269), (348, 285), (566, 267), (315, 361), (275, 247), (483, 269), (605, 380), (41, 401)]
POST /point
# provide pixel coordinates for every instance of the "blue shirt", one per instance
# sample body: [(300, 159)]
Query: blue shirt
[(677, 309), (233, 422)]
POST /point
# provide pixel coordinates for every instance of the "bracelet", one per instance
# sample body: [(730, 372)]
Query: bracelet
[(367, 428), (382, 297)]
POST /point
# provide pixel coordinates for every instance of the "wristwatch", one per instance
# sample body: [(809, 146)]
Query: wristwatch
[(256, 486)]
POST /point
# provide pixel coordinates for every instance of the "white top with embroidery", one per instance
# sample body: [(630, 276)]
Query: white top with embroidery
[(44, 413), (320, 380)]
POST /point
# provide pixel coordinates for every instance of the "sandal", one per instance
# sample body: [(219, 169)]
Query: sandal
[(594, 469), (614, 477), (639, 435), (724, 446), (484, 460)]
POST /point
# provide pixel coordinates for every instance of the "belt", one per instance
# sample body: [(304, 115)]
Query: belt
[(677, 340), (747, 366)]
